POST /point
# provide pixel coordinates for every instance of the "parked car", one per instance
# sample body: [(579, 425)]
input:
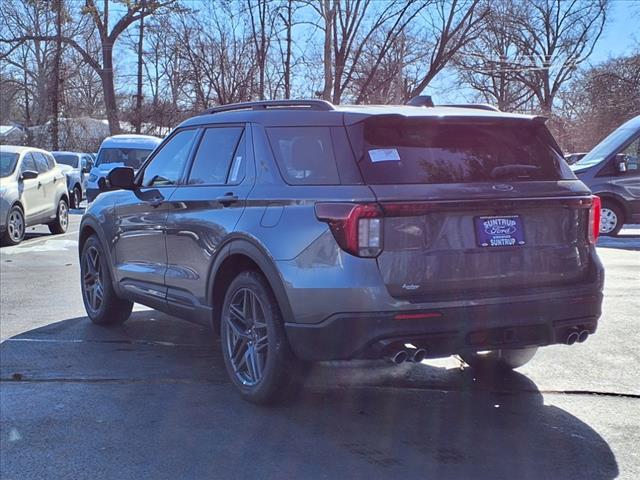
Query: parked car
[(302, 232), (32, 191), (612, 171), (76, 166), (572, 158), (116, 151)]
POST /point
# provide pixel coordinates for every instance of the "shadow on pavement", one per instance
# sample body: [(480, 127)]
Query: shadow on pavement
[(151, 399)]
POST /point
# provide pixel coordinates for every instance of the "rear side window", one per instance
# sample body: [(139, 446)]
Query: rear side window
[(409, 151), (305, 155), (41, 162), (214, 157)]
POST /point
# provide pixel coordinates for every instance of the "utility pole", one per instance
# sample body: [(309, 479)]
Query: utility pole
[(55, 97), (139, 93)]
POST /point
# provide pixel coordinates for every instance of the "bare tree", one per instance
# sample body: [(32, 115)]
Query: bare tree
[(443, 30), (488, 63), (102, 64), (555, 37)]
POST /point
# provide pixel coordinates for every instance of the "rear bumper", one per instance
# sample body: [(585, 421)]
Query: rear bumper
[(471, 328)]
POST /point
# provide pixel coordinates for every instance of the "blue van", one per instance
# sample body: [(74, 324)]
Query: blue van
[(119, 151), (612, 171)]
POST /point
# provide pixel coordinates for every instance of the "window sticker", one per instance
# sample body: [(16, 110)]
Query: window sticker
[(384, 155)]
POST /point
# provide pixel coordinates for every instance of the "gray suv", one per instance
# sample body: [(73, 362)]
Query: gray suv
[(302, 231)]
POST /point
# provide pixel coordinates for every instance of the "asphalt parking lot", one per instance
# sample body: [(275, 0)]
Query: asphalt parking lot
[(151, 399)]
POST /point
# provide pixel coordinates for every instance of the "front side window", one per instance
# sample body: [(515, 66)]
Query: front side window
[(166, 167), (214, 156), (305, 155), (631, 157), (28, 163)]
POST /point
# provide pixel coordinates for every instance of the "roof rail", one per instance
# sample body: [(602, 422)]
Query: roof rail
[(477, 106), (421, 101), (321, 105)]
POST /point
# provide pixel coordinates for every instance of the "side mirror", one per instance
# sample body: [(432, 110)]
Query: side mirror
[(121, 177), (86, 169), (29, 175), (621, 163)]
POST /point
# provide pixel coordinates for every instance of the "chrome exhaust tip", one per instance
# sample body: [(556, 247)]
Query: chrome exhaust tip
[(419, 355), (572, 338), (583, 335), (399, 357)]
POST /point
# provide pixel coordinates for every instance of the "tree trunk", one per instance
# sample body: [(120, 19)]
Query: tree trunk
[(139, 92), (329, 12), (55, 97), (106, 75), (287, 61)]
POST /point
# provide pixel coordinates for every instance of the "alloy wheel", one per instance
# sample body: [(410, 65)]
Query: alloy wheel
[(92, 281), (608, 220), (246, 336), (15, 226), (63, 214)]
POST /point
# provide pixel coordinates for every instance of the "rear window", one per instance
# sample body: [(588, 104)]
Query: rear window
[(66, 159), (305, 155), (406, 151)]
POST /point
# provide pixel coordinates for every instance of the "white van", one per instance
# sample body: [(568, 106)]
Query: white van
[(119, 151)]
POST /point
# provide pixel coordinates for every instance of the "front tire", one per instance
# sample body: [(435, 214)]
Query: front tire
[(14, 234), (507, 359), (611, 219), (76, 197), (61, 223), (102, 304), (254, 345)]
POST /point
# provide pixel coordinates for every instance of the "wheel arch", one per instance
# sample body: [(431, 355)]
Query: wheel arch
[(236, 256), (90, 227), (617, 201)]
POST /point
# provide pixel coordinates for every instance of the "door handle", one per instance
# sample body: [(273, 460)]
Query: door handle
[(227, 199), (55, 179), (39, 184), (156, 202)]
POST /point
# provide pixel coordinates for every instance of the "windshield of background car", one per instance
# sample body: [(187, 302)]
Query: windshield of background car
[(66, 159), (8, 162), (131, 157), (605, 148), (410, 151)]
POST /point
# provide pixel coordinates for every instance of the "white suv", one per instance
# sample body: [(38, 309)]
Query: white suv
[(33, 190)]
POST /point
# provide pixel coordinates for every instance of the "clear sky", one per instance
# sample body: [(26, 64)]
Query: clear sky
[(622, 32)]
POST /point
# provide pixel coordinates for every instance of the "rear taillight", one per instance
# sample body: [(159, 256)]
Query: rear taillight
[(357, 227), (594, 219)]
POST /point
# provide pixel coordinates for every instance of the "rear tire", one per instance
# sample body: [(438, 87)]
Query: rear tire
[(254, 345), (507, 359), (16, 227), (60, 224), (611, 219), (102, 304)]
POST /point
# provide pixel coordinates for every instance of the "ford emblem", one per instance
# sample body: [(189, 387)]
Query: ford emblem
[(502, 187)]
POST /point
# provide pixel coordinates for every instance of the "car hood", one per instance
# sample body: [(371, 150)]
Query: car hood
[(66, 168)]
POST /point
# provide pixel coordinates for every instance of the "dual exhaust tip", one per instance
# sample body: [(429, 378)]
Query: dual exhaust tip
[(415, 355), (576, 335)]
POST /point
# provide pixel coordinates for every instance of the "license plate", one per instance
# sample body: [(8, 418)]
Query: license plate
[(499, 231)]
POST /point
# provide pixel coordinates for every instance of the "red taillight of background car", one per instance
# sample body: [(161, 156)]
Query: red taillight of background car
[(594, 219), (357, 227)]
